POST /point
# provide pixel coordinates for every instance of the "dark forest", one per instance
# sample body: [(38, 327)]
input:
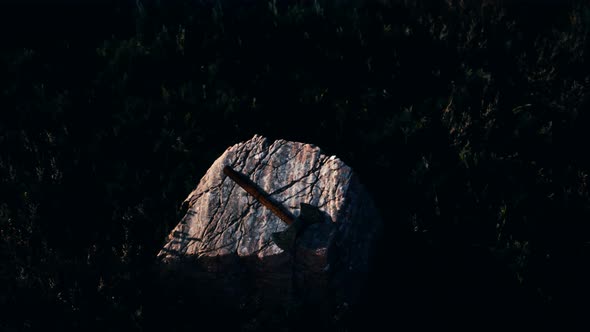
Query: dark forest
[(467, 121)]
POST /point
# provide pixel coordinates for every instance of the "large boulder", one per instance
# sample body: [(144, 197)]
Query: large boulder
[(223, 243)]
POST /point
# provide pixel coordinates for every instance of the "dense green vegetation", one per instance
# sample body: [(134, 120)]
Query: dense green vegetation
[(466, 120)]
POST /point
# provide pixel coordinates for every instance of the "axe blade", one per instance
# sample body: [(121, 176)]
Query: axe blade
[(308, 215)]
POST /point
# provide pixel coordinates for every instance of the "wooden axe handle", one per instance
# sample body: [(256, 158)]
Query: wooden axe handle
[(258, 194)]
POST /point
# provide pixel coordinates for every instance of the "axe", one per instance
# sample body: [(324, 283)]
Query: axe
[(308, 214)]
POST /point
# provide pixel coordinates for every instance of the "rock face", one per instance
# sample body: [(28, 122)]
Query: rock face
[(224, 240)]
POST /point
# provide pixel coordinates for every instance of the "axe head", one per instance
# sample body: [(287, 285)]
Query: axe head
[(308, 214)]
